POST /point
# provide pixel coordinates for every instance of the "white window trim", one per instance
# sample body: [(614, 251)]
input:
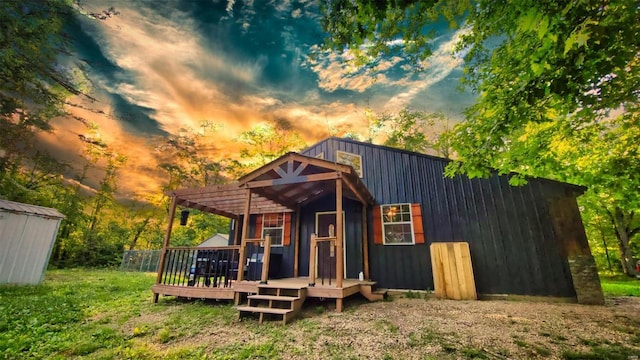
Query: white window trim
[(383, 223), (282, 227)]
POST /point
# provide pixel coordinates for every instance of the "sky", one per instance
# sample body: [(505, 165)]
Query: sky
[(162, 68)]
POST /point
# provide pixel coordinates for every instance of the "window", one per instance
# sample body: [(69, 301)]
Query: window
[(354, 160), (398, 224), (278, 225), (273, 224)]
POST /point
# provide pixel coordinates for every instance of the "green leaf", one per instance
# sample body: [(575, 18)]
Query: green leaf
[(537, 68), (543, 26), (579, 38)]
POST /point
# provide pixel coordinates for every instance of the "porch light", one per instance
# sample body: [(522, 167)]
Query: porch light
[(184, 215)]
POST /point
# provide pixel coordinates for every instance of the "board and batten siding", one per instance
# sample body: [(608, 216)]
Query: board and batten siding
[(27, 235), (509, 230)]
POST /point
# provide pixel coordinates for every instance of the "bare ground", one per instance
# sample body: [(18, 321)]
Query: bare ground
[(419, 328)]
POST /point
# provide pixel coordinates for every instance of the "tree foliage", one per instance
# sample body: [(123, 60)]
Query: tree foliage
[(267, 141), (558, 85), (188, 160), (415, 130)]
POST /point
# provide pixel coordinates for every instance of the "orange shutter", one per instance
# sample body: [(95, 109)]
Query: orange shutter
[(257, 234), (377, 226), (286, 232), (418, 230)]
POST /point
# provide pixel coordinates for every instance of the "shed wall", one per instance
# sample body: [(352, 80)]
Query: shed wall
[(26, 242)]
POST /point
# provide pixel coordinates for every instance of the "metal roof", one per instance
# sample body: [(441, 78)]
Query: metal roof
[(17, 207)]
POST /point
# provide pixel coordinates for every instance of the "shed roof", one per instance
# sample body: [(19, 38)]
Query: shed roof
[(17, 207)]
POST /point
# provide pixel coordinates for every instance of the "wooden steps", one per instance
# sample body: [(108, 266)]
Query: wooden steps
[(369, 291), (281, 301)]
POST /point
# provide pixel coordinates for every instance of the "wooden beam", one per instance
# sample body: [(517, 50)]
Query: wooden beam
[(339, 237), (292, 180), (236, 240), (312, 260), (321, 163), (165, 244), (205, 190), (365, 242), (245, 230), (296, 244), (276, 199), (264, 169), (300, 169), (266, 257), (354, 190)]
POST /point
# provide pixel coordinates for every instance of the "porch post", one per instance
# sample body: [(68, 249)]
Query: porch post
[(296, 244), (339, 240), (365, 242), (312, 260), (165, 245), (266, 256), (236, 241), (339, 232), (245, 230)]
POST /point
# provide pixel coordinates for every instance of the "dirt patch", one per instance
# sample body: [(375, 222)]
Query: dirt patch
[(413, 328), (417, 328)]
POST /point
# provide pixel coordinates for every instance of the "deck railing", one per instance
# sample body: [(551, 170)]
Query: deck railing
[(200, 266), (257, 258), (322, 250)]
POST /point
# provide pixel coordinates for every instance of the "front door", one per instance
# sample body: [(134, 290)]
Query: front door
[(326, 255)]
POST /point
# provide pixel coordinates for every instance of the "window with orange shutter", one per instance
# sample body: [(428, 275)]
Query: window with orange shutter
[(398, 224), (277, 225)]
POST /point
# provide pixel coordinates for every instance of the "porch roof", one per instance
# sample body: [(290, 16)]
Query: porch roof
[(283, 185)]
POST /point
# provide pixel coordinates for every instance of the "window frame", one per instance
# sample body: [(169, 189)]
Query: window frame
[(383, 223), (282, 227), (350, 156)]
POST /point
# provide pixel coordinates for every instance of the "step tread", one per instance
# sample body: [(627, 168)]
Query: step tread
[(282, 286), (264, 310), (367, 282), (274, 297)]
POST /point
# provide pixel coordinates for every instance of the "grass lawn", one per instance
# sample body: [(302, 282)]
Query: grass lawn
[(620, 285), (103, 314), (96, 313)]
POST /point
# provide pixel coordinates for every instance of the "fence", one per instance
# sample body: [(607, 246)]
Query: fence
[(140, 260)]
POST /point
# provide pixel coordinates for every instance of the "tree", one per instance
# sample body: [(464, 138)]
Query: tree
[(414, 130), (266, 142), (187, 158), (558, 85)]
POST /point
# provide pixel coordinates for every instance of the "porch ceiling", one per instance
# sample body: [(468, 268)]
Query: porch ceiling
[(294, 180), (280, 186)]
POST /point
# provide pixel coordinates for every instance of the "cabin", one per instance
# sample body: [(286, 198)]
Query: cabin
[(288, 243)]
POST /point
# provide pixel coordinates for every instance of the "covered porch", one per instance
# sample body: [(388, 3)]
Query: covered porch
[(239, 271)]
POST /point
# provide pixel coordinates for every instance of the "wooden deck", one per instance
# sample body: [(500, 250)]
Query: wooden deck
[(325, 291)]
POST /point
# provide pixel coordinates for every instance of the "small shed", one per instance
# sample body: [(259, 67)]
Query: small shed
[(27, 235), (216, 240)]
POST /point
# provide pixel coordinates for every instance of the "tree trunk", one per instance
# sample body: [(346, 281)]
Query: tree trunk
[(604, 243), (139, 232), (624, 232)]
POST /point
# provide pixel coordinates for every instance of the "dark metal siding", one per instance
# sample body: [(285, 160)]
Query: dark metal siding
[(513, 247), (285, 268), (353, 232)]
